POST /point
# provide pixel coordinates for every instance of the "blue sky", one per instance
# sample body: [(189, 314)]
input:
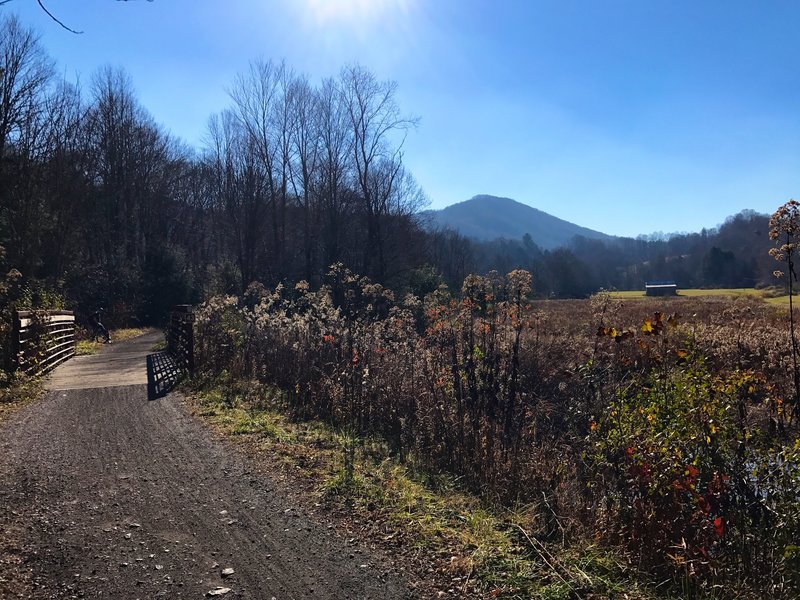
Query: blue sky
[(624, 116)]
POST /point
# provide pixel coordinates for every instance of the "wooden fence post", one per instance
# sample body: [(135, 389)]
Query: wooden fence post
[(190, 341), (13, 357)]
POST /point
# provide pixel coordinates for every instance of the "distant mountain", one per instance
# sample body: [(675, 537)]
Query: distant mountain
[(489, 217)]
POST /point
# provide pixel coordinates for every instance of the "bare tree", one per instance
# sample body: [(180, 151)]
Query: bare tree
[(240, 187), (262, 106), (130, 168), (65, 184), (110, 131), (306, 142), (336, 152), (25, 72), (378, 130), (25, 75)]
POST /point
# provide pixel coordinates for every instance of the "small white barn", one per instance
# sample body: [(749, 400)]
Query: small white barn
[(660, 288)]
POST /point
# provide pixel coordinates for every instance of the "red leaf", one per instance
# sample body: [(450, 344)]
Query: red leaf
[(719, 525)]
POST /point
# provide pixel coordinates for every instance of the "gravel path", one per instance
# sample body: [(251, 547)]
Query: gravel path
[(105, 493)]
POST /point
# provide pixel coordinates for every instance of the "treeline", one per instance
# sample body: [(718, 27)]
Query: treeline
[(735, 254), (102, 207)]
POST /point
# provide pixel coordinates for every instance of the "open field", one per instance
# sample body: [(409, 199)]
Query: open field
[(769, 295)]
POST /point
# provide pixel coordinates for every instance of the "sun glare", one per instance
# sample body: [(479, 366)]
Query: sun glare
[(355, 12)]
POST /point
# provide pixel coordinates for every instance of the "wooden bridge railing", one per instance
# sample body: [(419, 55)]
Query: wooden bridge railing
[(180, 336), (42, 340)]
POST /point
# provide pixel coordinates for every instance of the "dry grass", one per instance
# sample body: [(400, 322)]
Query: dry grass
[(474, 550), (21, 392), (434, 380), (92, 346), (771, 296)]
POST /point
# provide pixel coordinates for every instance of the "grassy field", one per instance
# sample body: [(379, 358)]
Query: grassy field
[(768, 295)]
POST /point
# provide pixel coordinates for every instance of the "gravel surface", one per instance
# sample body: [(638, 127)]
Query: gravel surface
[(107, 494)]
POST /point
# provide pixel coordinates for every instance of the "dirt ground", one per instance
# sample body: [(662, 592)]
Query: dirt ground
[(116, 492)]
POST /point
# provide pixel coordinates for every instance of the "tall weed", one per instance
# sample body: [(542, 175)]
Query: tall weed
[(668, 435)]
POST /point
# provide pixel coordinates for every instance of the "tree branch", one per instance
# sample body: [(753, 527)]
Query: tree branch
[(52, 16)]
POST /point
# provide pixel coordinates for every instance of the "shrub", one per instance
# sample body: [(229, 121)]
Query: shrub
[(670, 437)]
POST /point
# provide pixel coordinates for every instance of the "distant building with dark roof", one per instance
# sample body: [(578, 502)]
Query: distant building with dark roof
[(660, 288)]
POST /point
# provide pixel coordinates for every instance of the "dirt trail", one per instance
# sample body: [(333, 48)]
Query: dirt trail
[(105, 493)]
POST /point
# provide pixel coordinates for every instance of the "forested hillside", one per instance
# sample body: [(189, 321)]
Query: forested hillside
[(101, 206), (734, 254)]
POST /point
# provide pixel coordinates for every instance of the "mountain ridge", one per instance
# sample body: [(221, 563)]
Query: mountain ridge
[(486, 217)]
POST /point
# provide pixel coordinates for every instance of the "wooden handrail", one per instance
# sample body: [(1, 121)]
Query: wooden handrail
[(42, 340)]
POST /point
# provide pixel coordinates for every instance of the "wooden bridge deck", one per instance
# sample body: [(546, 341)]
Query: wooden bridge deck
[(113, 366)]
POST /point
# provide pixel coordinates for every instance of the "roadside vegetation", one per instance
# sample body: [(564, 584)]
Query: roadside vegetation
[(660, 432), (17, 393), (466, 546), (87, 344)]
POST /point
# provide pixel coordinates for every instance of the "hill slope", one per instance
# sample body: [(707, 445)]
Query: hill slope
[(489, 217)]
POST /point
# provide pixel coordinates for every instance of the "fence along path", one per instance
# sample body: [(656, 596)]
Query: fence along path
[(43, 339), (180, 336)]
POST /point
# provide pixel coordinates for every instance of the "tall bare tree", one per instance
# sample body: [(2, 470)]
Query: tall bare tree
[(378, 130), (65, 183), (25, 71), (241, 188), (335, 160), (306, 143), (262, 105)]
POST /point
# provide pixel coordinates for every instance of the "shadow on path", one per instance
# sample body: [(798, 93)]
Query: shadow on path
[(163, 374)]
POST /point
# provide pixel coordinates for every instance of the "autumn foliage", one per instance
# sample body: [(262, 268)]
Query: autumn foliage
[(666, 433)]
